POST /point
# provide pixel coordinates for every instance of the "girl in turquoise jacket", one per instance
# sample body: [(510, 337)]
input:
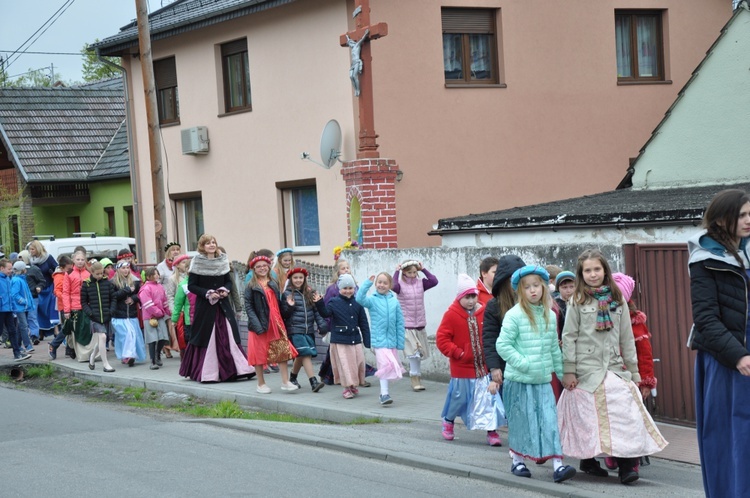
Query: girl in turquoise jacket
[(386, 330), (528, 344)]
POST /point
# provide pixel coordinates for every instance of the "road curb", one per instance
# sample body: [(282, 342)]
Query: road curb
[(407, 459)]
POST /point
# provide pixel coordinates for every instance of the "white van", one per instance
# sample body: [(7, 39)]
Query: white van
[(96, 247)]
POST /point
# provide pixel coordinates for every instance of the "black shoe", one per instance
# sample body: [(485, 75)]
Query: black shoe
[(563, 473), (316, 386), (520, 470), (628, 476), (593, 467), (35, 341), (274, 367), (293, 379), (91, 366)]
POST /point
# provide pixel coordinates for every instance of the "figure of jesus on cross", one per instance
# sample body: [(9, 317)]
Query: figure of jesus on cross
[(360, 73)]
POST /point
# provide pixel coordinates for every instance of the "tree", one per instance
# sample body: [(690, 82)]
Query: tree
[(93, 69)]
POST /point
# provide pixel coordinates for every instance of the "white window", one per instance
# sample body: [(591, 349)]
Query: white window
[(301, 223)]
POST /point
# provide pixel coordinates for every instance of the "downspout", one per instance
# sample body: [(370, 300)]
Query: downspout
[(131, 154)]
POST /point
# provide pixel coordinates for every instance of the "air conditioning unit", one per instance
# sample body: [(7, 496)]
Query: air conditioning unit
[(195, 140)]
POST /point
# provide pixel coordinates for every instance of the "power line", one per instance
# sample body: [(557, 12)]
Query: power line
[(43, 28), (42, 53)]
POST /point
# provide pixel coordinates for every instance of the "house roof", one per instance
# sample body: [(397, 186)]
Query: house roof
[(616, 208), (182, 16), (114, 162), (58, 134)]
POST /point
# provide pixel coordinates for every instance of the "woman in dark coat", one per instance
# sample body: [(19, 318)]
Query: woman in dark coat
[(719, 283), (47, 315), (214, 353)]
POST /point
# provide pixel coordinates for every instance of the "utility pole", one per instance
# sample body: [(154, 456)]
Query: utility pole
[(152, 117)]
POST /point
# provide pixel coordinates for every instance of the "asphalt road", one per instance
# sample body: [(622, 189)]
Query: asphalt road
[(52, 446)]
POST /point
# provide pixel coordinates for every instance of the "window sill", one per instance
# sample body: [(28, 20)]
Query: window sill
[(476, 85), (168, 124), (307, 251), (238, 111), (630, 83)]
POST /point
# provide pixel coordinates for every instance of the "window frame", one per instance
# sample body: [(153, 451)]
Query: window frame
[(633, 14), (472, 21), (288, 213), (229, 50), (109, 214), (165, 80)]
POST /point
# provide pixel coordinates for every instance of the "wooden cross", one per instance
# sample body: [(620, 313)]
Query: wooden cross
[(358, 40)]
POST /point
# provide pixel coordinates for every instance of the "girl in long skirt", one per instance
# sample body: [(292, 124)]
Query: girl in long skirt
[(129, 345), (528, 343)]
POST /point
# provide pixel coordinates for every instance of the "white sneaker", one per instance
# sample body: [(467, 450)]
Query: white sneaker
[(289, 387), (264, 389)]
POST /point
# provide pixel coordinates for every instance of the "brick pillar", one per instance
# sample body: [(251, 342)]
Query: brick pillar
[(373, 183)]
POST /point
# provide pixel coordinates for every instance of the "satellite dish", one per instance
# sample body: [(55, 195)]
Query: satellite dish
[(330, 144)]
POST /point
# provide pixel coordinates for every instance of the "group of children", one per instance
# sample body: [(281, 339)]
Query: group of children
[(588, 335), (120, 306)]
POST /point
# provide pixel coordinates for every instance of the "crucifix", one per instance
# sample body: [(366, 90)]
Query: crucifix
[(361, 74)]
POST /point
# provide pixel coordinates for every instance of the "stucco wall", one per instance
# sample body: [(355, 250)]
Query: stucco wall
[(702, 133), (562, 127)]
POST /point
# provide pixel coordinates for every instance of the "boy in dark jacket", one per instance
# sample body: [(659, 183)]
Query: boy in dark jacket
[(97, 294)]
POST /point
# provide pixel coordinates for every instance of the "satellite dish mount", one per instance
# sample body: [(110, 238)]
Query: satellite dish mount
[(330, 146)]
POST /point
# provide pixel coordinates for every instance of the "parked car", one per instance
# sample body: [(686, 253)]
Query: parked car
[(96, 247)]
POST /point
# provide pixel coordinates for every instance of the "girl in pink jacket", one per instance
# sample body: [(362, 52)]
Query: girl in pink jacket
[(410, 290), (155, 314)]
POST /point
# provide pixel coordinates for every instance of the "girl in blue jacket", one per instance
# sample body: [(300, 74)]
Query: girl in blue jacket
[(386, 330)]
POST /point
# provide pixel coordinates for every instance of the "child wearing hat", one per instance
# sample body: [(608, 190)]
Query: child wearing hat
[(109, 267), (301, 318), (529, 345), (565, 285), (472, 394), (7, 323), (349, 331)]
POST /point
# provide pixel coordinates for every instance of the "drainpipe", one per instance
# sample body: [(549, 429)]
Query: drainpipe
[(131, 154)]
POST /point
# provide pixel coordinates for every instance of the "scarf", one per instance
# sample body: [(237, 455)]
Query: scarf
[(169, 263), (606, 304), (201, 265), (38, 260)]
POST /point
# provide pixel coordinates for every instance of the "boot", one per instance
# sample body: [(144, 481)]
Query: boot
[(416, 383), (293, 379), (315, 385)]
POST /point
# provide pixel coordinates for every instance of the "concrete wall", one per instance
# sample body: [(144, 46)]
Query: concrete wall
[(447, 262)]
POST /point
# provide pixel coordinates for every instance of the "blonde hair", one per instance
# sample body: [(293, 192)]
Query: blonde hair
[(526, 305), (38, 247), (177, 275), (337, 269), (387, 276), (96, 266), (119, 281)]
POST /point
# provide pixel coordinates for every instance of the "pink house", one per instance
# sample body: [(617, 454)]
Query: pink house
[(479, 105)]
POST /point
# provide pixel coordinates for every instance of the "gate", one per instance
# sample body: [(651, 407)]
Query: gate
[(663, 293)]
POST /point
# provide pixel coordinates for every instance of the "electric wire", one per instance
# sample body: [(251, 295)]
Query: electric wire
[(43, 28)]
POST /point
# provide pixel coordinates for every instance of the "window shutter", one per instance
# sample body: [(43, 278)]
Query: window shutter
[(234, 47), (468, 21), (165, 73)]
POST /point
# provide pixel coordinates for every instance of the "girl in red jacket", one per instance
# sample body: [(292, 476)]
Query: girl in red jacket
[(642, 337), (472, 394)]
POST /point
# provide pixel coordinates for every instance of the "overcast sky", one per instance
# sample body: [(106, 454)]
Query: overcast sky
[(83, 22)]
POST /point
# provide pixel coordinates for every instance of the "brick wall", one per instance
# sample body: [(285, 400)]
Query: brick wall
[(373, 183)]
